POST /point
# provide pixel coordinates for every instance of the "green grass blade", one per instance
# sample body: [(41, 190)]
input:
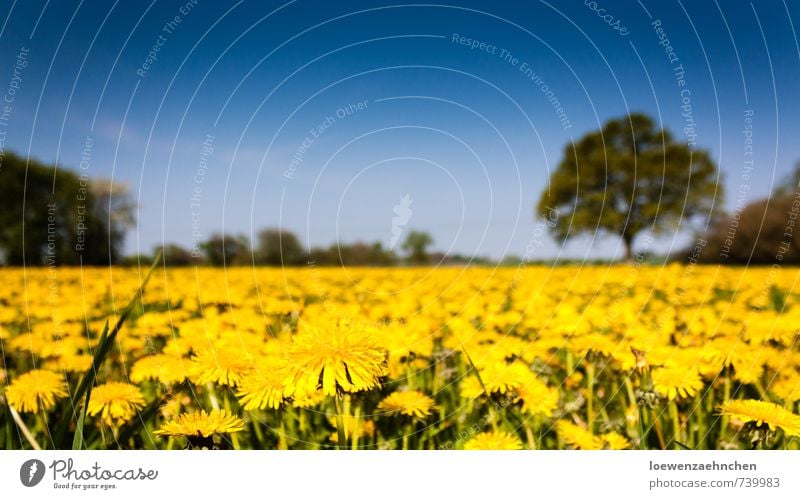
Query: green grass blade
[(9, 440), (79, 440), (132, 428), (475, 369), (682, 445), (100, 355)]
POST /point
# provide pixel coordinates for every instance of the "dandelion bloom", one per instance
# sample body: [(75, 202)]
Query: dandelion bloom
[(673, 382), (36, 388), (261, 389), (307, 400), (788, 388), (748, 370), (538, 398), (71, 363), (115, 402), (167, 369), (615, 441), (410, 403), (224, 366), (578, 437), (760, 413), (494, 440), (202, 424), (340, 357), (497, 377)]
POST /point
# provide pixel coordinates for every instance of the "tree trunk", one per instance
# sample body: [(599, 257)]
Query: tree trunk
[(628, 240)]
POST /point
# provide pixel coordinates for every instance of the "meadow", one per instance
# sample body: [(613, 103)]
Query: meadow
[(529, 357)]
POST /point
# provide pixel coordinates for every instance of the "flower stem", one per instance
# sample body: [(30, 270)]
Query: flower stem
[(529, 436), (676, 423), (356, 428), (227, 402), (590, 395), (642, 431), (726, 395), (24, 429), (282, 444), (341, 438), (257, 430), (212, 396)]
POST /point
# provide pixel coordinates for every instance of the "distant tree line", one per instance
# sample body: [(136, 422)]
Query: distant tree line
[(277, 247), (56, 216)]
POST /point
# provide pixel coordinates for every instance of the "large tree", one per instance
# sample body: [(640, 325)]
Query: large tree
[(628, 177), (225, 249), (52, 216), (114, 209), (759, 233), (416, 244), (278, 247)]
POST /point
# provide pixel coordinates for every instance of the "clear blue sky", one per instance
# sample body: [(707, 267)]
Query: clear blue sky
[(465, 132)]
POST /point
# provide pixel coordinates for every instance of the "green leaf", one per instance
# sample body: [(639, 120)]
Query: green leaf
[(129, 430)]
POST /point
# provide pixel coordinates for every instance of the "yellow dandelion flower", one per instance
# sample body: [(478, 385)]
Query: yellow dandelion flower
[(71, 363), (748, 370), (166, 369), (173, 405), (115, 402), (494, 440), (673, 382), (538, 398), (224, 366), (788, 388), (471, 388), (578, 437), (202, 424), (261, 389), (760, 413), (339, 358), (307, 400), (409, 403), (593, 343), (498, 377), (574, 380), (35, 389), (615, 441), (36, 344)]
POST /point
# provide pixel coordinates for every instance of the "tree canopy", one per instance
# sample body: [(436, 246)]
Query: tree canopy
[(54, 216), (628, 177), (416, 244), (278, 247), (765, 231)]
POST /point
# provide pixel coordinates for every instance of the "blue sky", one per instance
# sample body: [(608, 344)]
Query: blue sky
[(402, 104)]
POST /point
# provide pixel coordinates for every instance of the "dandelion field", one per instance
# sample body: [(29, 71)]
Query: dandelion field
[(592, 357)]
